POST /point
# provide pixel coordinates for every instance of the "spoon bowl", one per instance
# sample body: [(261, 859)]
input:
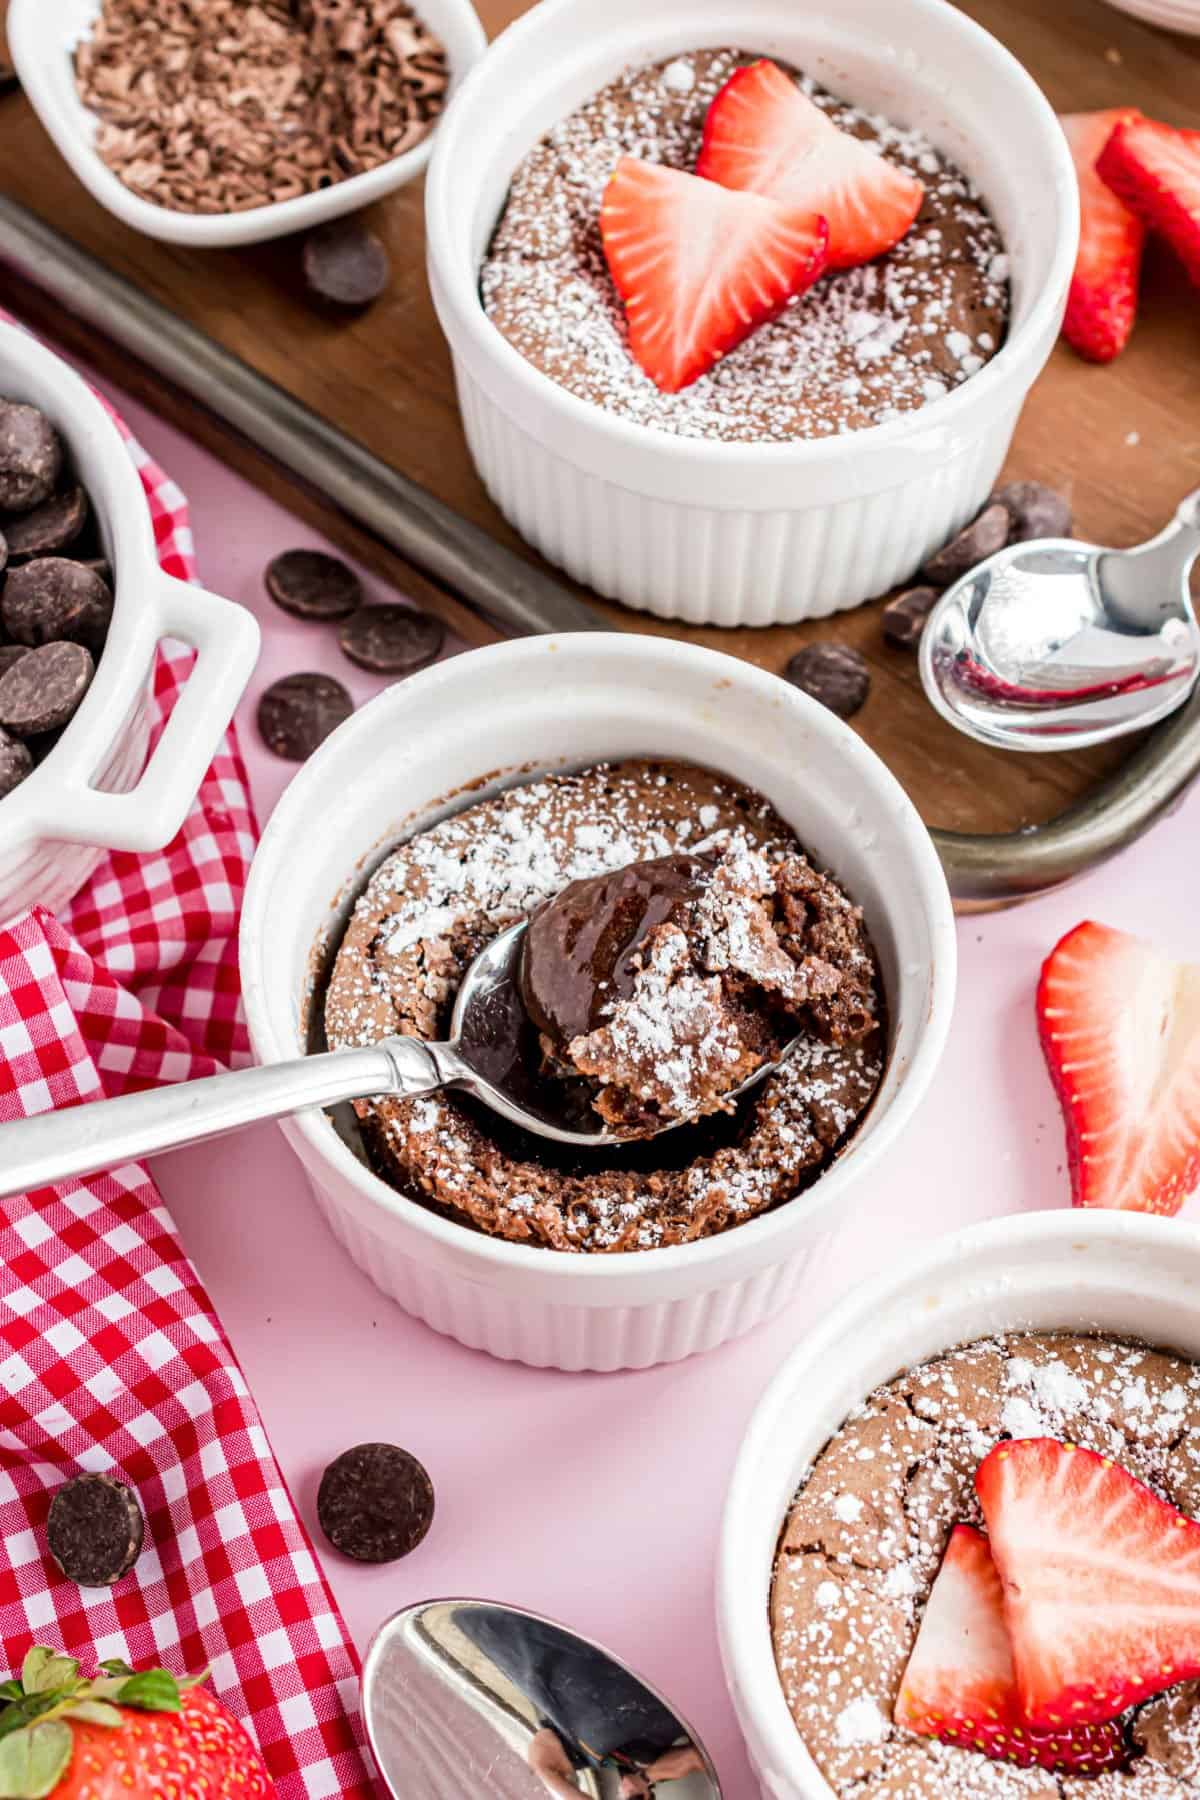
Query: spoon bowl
[(468, 1697), (1056, 644), (491, 1053)]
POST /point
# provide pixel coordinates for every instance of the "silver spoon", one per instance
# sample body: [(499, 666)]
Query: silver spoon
[(467, 1697), (1056, 644), (479, 1057)]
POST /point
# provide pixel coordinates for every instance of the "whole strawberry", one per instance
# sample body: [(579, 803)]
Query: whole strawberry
[(119, 1734)]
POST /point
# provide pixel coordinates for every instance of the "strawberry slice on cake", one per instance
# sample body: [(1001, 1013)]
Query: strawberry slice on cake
[(1101, 1581), (1155, 169), (960, 1685), (763, 135), (1120, 1027), (700, 267), (1102, 303)]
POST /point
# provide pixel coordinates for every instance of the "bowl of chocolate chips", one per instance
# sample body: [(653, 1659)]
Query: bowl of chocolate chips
[(219, 122), (83, 606)]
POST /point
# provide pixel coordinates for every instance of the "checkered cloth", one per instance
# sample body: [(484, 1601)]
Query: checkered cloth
[(111, 1356)]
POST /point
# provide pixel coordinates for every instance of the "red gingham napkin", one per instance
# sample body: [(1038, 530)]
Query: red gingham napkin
[(111, 1356)]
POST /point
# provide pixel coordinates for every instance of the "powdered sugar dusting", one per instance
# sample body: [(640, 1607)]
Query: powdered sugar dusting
[(862, 346), (852, 1580), (480, 870)]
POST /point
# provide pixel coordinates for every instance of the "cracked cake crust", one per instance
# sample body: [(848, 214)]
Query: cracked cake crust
[(863, 346), (867, 1531), (434, 903)]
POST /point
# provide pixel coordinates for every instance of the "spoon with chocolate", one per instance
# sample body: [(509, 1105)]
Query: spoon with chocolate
[(636, 1001), (1055, 644)]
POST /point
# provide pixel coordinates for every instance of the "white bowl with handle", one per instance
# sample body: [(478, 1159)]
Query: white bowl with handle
[(42, 35), (96, 791)]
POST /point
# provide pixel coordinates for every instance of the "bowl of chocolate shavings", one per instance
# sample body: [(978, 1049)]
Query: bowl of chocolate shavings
[(224, 122)]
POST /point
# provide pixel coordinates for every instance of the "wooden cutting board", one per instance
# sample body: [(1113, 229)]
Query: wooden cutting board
[(1123, 442)]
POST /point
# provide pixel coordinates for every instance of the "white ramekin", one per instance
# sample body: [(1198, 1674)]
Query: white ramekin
[(545, 703), (747, 534), (95, 791), (1125, 1273), (42, 35)]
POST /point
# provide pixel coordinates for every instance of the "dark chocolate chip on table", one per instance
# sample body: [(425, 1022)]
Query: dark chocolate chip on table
[(985, 535), (31, 457), (904, 616), (375, 1503), (50, 527), (391, 639), (16, 762), (297, 713), (345, 264), (43, 689), (53, 599), (1036, 511), (95, 1530), (834, 674), (311, 585)]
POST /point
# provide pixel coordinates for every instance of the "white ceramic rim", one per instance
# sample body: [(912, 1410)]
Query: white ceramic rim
[(613, 1273), (56, 800), (458, 285), (32, 22), (742, 1604)]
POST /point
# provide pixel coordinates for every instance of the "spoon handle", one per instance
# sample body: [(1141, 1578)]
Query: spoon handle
[(104, 1134)]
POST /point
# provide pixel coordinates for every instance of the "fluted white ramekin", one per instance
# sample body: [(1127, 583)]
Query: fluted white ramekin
[(747, 534), (1128, 1274), (96, 791), (540, 704)]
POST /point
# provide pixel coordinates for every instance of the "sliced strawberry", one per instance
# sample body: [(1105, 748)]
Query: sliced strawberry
[(959, 1685), (1120, 1026), (1102, 303), (764, 136), (698, 267), (1155, 169), (1101, 1581)]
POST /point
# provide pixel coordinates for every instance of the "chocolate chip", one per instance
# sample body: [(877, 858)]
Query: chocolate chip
[(95, 1530), (49, 527), (10, 654), (298, 713), (982, 537), (833, 674), (375, 1503), (1036, 511), (42, 691), (31, 457), (392, 640), (311, 585), (53, 599), (904, 617), (16, 762), (345, 264)]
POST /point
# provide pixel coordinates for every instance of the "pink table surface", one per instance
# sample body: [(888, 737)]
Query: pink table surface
[(596, 1499)]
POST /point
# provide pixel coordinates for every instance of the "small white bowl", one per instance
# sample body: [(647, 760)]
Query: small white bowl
[(747, 534), (526, 707), (42, 35), (1127, 1274), (95, 791)]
